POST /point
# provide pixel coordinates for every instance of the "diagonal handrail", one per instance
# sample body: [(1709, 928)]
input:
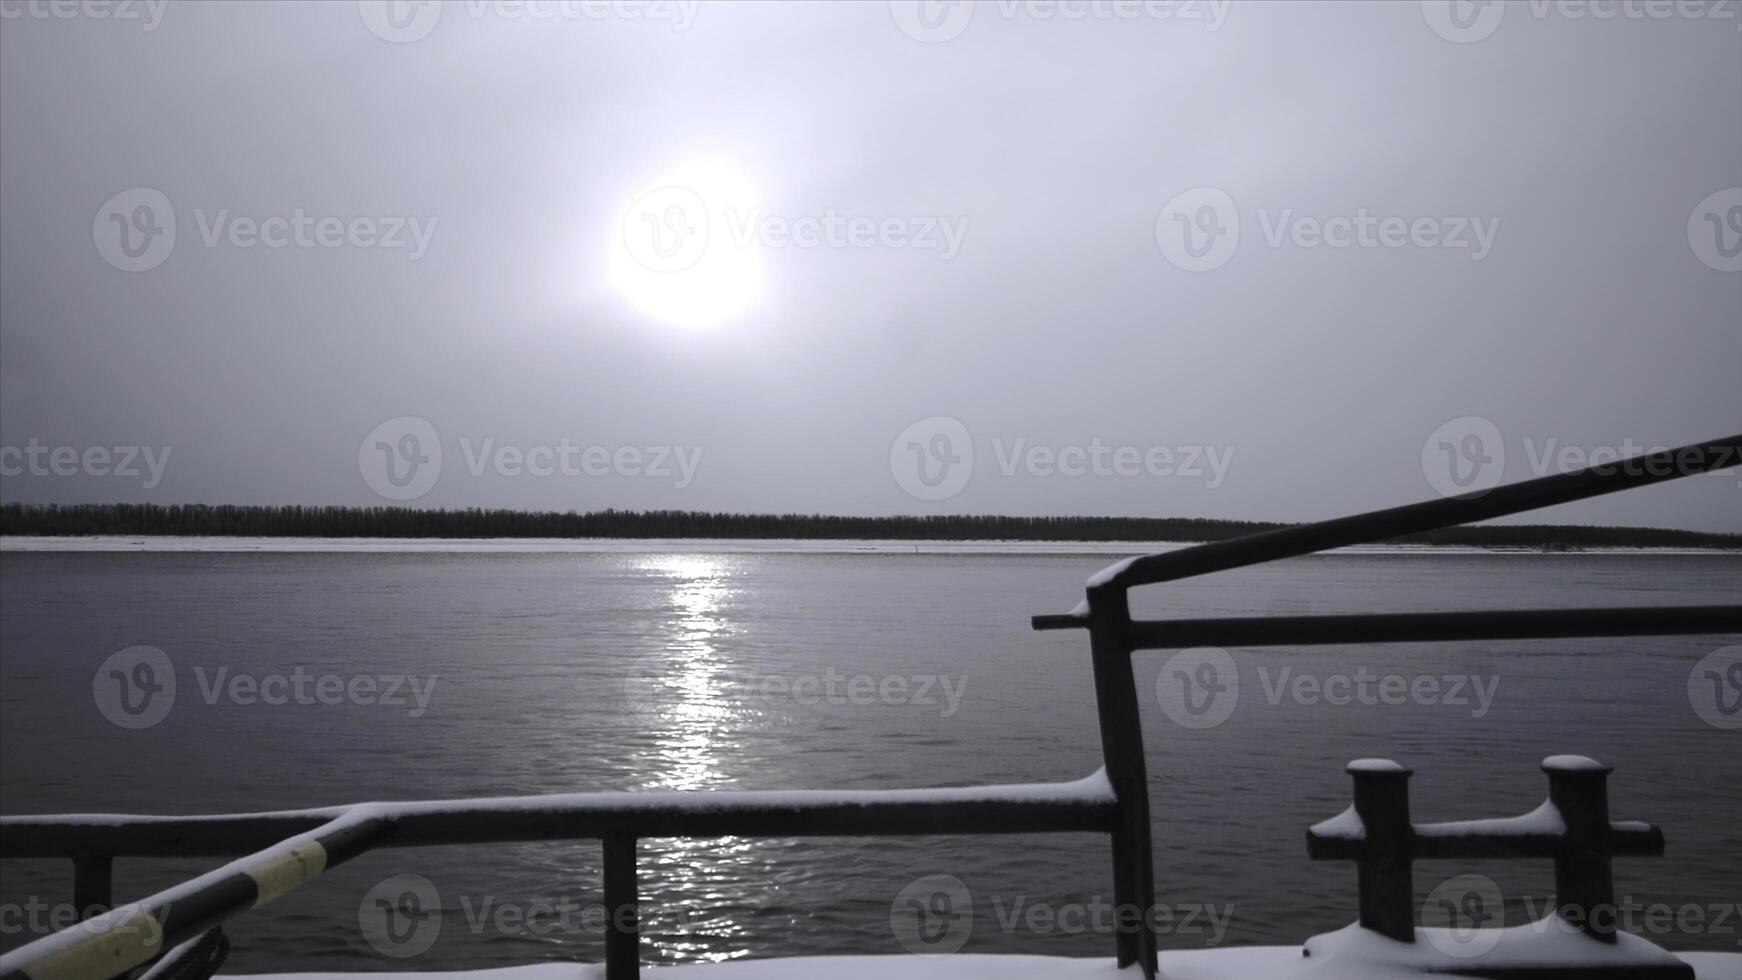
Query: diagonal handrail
[(1392, 522)]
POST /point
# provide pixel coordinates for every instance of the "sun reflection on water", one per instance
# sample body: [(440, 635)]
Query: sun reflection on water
[(694, 725), (691, 714)]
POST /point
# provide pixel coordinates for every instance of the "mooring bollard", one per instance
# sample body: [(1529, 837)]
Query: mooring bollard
[(1584, 879), (1572, 827), (1387, 890)]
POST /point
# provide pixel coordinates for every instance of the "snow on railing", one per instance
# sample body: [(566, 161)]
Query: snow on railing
[(1572, 827), (127, 936)]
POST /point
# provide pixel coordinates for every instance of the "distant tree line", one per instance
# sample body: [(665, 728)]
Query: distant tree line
[(403, 522)]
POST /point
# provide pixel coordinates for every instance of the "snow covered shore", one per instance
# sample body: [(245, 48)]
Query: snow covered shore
[(713, 546)]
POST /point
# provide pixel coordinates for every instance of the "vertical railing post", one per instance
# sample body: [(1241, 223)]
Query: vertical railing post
[(1583, 873), (623, 930), (92, 889), (1122, 751), (1384, 873)]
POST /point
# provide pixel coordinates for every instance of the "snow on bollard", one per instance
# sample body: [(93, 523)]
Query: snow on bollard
[(1572, 827)]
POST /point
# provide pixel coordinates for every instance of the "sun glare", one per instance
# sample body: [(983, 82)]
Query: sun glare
[(682, 252)]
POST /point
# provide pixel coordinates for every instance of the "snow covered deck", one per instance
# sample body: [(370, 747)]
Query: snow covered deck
[(1247, 963)]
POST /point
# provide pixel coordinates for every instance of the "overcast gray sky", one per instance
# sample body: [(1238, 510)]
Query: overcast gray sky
[(1261, 260)]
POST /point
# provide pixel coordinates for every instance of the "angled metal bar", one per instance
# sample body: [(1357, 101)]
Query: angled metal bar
[(136, 933), (1506, 624), (1431, 515)]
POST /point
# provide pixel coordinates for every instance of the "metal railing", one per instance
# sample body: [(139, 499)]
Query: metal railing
[(287, 848)]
